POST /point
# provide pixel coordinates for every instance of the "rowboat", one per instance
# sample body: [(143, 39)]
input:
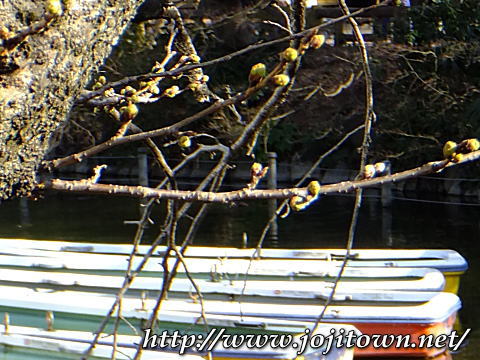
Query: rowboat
[(83, 311), (423, 319), (301, 293), (27, 343), (215, 270), (449, 262)]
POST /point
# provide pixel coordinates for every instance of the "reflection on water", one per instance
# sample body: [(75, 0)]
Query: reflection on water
[(408, 225)]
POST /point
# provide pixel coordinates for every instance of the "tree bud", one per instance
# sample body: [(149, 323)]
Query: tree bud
[(290, 54), (281, 79)]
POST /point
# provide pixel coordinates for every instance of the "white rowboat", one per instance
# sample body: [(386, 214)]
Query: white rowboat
[(291, 292), (84, 311), (450, 262), (418, 279), (442, 259)]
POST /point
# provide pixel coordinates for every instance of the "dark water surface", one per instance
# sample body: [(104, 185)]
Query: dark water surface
[(429, 223)]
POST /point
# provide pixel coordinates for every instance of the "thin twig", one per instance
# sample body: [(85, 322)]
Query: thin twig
[(170, 273), (198, 292), (288, 26), (128, 279), (131, 275), (368, 120), (168, 130), (306, 175), (125, 81)]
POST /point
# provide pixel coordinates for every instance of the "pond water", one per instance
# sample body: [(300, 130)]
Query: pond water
[(409, 223)]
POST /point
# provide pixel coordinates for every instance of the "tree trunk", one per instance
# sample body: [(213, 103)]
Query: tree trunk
[(41, 76)]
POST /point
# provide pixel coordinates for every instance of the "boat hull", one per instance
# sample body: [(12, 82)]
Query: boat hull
[(215, 270), (30, 343), (300, 293), (415, 332), (85, 311), (452, 264), (27, 343)]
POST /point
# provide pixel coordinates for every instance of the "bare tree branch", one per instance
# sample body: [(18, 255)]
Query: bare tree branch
[(127, 80), (118, 140), (80, 186)]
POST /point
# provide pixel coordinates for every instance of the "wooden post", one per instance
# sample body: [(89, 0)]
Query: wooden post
[(387, 226), (387, 188), (142, 172), (142, 167), (272, 184), (338, 33), (25, 220), (244, 240), (386, 207)]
